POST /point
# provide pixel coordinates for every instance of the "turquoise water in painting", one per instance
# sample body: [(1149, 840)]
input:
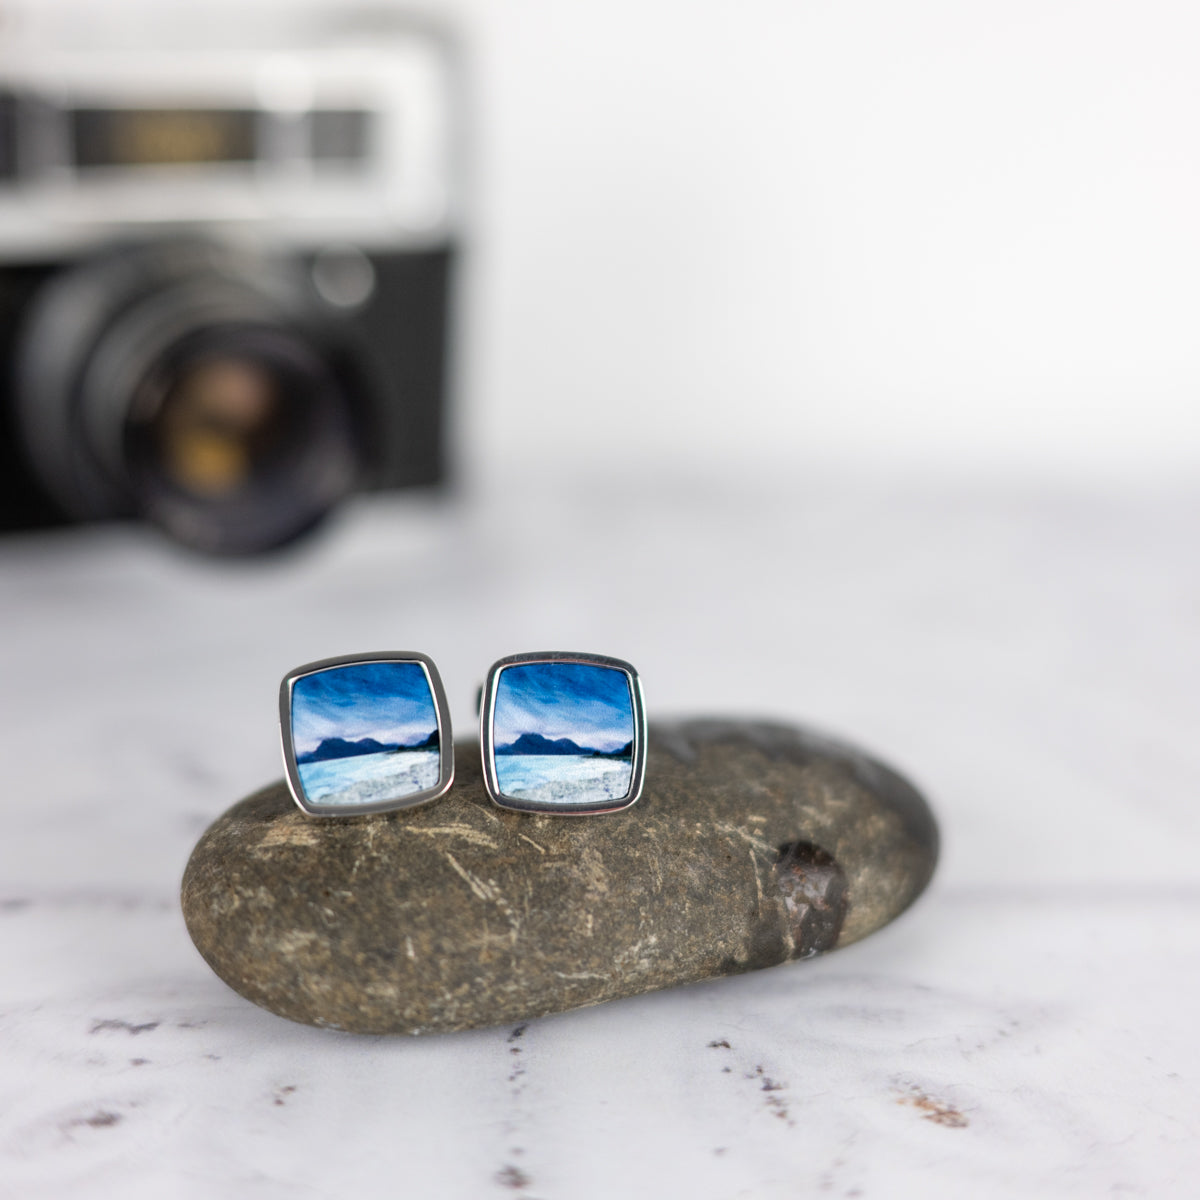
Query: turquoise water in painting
[(563, 779), (370, 778)]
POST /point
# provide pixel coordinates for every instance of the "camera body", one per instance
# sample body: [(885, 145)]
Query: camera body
[(224, 282)]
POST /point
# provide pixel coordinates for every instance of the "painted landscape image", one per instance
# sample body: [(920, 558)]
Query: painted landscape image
[(563, 733), (365, 733)]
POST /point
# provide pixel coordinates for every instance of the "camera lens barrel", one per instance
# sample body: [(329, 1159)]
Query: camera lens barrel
[(189, 385)]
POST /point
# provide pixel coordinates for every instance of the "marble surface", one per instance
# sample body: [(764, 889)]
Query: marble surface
[(1028, 655)]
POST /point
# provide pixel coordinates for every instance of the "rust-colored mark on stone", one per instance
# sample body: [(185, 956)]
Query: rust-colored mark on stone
[(775, 1101), (933, 1110), (512, 1177), (102, 1120), (813, 888), (126, 1026), (97, 1120), (514, 1076)]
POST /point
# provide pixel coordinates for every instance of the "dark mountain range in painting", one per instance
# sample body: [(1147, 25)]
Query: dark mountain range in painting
[(432, 742), (335, 747), (535, 743), (625, 751)]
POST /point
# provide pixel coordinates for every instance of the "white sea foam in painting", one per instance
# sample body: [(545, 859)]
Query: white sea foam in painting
[(563, 778), (369, 778)]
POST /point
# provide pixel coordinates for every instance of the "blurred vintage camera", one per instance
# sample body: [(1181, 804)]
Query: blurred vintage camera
[(223, 280)]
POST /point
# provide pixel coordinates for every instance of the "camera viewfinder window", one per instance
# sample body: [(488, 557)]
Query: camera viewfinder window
[(106, 137), (339, 135), (144, 137)]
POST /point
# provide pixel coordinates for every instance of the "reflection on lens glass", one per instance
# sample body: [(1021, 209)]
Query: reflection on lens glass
[(239, 436), (216, 423)]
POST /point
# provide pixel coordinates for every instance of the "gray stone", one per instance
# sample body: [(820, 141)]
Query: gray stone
[(753, 844)]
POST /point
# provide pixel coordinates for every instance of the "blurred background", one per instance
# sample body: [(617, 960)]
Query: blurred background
[(921, 236), (830, 362), (720, 236)]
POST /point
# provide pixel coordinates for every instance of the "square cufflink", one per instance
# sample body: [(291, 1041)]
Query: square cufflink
[(563, 733), (365, 733)]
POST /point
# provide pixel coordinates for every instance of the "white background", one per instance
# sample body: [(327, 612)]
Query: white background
[(957, 236)]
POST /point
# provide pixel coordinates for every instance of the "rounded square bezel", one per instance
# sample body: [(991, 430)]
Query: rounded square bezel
[(487, 735), (445, 736)]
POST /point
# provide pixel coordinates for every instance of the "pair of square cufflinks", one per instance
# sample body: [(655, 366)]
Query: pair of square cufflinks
[(370, 733)]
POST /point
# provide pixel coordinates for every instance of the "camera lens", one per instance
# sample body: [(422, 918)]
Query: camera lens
[(215, 424), (237, 438), (172, 383)]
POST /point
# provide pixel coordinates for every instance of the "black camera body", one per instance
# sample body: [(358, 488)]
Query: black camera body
[(387, 359), (224, 304)]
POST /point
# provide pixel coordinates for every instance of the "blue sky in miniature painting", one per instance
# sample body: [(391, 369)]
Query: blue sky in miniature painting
[(389, 702), (589, 705)]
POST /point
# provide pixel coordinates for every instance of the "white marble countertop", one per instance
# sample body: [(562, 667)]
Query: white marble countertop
[(1029, 657)]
